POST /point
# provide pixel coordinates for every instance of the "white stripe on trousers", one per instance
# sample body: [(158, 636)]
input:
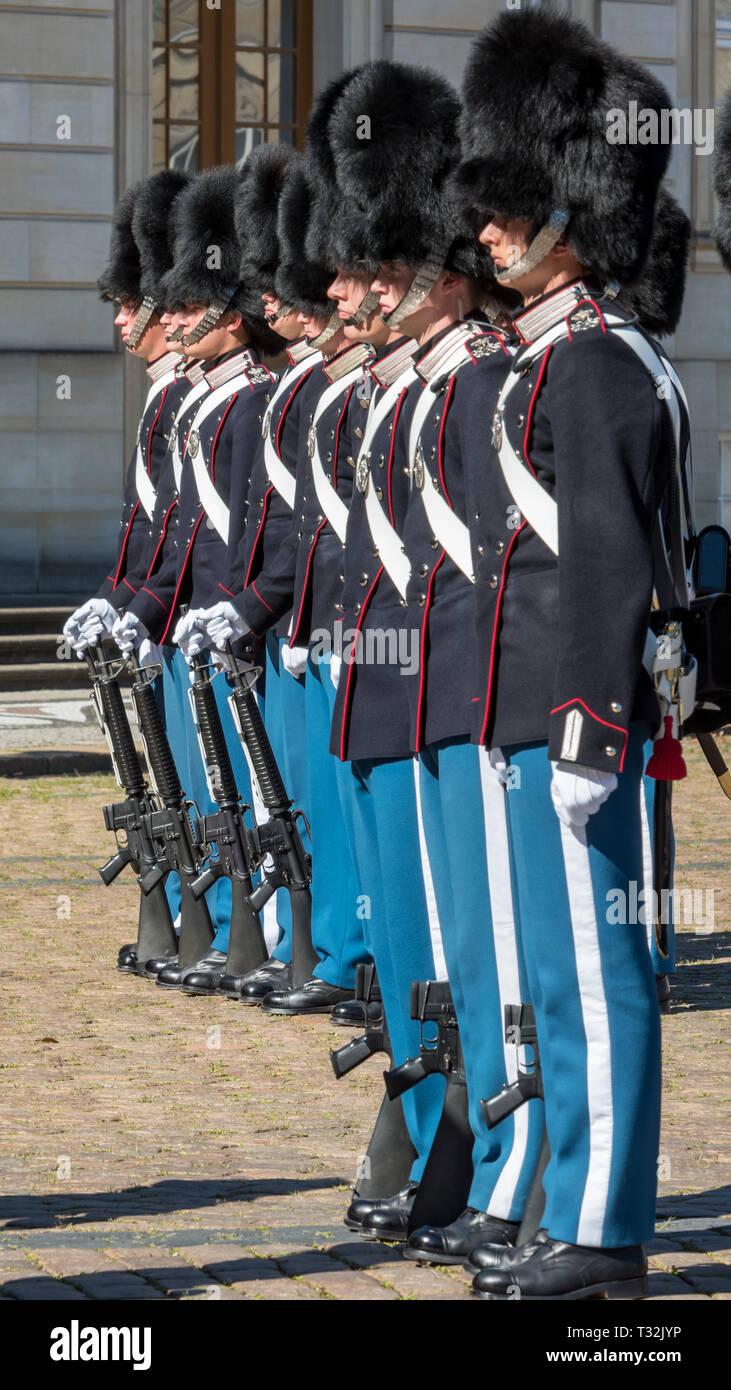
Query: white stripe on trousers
[(435, 929), (508, 972), (648, 875), (595, 1018)]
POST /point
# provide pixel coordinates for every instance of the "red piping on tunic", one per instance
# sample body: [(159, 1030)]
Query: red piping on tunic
[(419, 708), (346, 698), (441, 439)]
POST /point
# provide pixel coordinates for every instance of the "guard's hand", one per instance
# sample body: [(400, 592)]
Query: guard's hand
[(223, 623), (148, 653), (128, 632), (95, 618), (578, 792), (190, 634), (294, 659), (336, 666)]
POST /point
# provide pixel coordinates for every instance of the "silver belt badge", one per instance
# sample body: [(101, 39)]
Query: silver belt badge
[(194, 443), (312, 443), (363, 473), (497, 431), (419, 468)]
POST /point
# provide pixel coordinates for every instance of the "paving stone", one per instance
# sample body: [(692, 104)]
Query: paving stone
[(144, 1155)]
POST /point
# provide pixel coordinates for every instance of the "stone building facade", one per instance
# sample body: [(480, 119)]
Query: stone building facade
[(96, 93)]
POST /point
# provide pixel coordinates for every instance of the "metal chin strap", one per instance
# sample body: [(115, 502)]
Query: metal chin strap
[(333, 325), (540, 247), (142, 319), (421, 286), (367, 307), (213, 315), (176, 336)]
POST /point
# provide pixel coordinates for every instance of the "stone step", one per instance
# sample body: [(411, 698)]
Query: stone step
[(44, 675), (18, 648), (33, 620)]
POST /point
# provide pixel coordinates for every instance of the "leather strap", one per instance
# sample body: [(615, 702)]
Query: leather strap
[(385, 538), (200, 389), (277, 472), (143, 482), (213, 505), (333, 506)]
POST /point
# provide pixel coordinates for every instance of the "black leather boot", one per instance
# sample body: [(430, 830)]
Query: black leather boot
[(173, 976), (259, 983), (314, 997), (553, 1270), (127, 958), (361, 1209), (390, 1219), (352, 1014), (452, 1244)]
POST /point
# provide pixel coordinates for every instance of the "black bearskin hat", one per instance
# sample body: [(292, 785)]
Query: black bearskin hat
[(120, 278), (722, 181), (657, 297), (207, 254), (538, 88), (393, 136), (206, 248), (152, 228), (256, 213), (302, 280)]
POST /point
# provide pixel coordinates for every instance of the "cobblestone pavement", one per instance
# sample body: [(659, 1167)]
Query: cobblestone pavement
[(159, 1147)]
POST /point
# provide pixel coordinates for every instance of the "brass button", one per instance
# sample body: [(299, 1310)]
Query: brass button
[(615, 707), (422, 600), (357, 609), (480, 550), (434, 543), (363, 580), (494, 581), (500, 548), (424, 571), (610, 752), (521, 421)]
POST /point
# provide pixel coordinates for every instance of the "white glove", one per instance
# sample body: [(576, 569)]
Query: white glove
[(148, 653), (336, 666), (578, 792), (95, 617), (223, 623), (221, 661), (190, 634), (294, 659), (128, 632)]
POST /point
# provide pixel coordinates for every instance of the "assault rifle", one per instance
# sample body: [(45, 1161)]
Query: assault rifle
[(447, 1178), (171, 824), (375, 1038), (276, 843), (520, 1030), (226, 831), (130, 819)]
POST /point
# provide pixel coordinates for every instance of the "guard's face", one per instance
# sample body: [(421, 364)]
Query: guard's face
[(507, 239), (124, 319), (287, 326), (311, 325), (171, 323), (215, 343), (152, 343), (392, 282), (349, 290)]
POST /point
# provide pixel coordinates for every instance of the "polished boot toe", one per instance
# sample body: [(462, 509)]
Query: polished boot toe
[(152, 968), (495, 1255), (206, 977), (390, 1220), (127, 958), (451, 1245), (554, 1270), (313, 997), (362, 1208), (255, 986), (353, 1013), (173, 975)]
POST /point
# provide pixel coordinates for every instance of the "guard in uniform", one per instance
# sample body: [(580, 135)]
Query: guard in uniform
[(224, 327), (139, 254), (566, 566), (304, 577), (411, 583)]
